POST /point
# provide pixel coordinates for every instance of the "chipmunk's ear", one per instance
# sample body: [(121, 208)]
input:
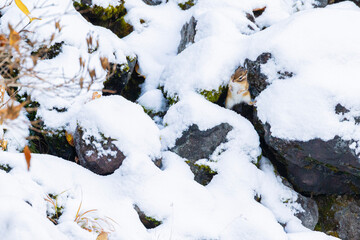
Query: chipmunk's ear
[(246, 71)]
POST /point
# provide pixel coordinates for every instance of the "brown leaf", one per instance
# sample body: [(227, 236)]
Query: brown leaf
[(102, 236), (27, 154)]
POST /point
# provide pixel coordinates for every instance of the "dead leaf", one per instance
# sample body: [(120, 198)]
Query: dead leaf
[(27, 154), (14, 38), (102, 236), (69, 138), (11, 112), (25, 10), (3, 144), (104, 63), (95, 95)]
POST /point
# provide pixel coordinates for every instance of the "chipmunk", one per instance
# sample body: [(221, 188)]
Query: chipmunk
[(238, 89)]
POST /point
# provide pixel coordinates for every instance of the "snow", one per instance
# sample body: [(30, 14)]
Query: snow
[(119, 119), (298, 108)]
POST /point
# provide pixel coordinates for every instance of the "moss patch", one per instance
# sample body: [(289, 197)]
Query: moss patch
[(111, 17), (213, 95), (186, 5)]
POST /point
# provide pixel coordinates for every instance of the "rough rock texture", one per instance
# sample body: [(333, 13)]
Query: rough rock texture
[(153, 2), (90, 158), (339, 216), (188, 33), (309, 218), (195, 144), (256, 79)]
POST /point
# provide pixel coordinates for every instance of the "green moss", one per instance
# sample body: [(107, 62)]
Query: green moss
[(5, 167), (58, 210), (213, 95), (186, 5), (153, 221), (45, 52), (111, 17), (206, 168), (327, 209)]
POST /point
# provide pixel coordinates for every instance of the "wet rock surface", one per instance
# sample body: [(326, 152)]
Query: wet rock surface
[(196, 144), (102, 162)]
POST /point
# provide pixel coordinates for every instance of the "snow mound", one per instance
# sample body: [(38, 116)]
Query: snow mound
[(122, 120)]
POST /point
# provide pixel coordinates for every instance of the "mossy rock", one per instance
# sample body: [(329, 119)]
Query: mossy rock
[(187, 5), (214, 95), (111, 17), (148, 222)]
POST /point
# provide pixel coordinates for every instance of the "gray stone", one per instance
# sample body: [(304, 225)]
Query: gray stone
[(309, 218), (90, 158), (195, 144), (153, 2), (188, 33)]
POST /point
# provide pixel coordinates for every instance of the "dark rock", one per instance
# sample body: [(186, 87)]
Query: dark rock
[(195, 144), (250, 17), (122, 80), (340, 109), (147, 221), (309, 218), (324, 3), (188, 33), (86, 2), (316, 166), (321, 3), (153, 2), (90, 158), (339, 216), (55, 144), (257, 80)]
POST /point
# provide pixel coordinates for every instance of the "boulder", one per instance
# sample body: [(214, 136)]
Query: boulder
[(188, 32), (195, 144), (101, 160)]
